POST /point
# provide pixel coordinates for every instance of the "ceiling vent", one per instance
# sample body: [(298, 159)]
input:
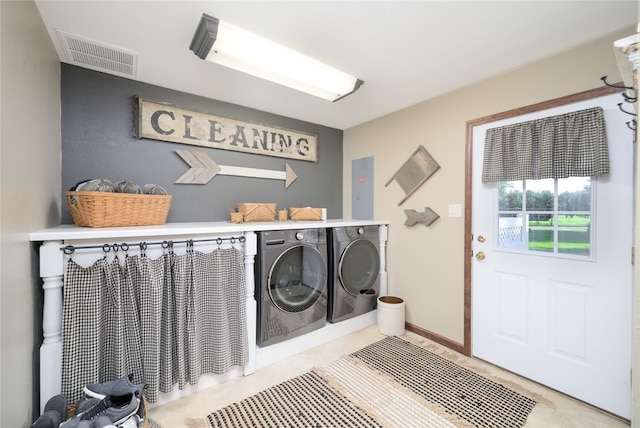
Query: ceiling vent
[(98, 56)]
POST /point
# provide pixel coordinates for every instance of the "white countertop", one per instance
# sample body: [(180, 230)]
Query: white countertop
[(73, 232)]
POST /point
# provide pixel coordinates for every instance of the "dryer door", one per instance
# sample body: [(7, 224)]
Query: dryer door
[(359, 266), (297, 279)]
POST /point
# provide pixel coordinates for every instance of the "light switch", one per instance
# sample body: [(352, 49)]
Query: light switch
[(455, 210)]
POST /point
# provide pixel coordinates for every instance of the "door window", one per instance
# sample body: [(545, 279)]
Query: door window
[(548, 217)]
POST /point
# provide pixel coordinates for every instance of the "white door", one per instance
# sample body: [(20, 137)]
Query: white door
[(557, 314)]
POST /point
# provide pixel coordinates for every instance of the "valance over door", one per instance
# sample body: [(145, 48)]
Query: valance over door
[(567, 145)]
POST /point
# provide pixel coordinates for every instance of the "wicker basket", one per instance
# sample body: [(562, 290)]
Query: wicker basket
[(107, 209), (257, 212), (236, 217), (306, 213)]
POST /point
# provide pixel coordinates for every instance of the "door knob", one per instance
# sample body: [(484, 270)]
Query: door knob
[(481, 255), (481, 238)]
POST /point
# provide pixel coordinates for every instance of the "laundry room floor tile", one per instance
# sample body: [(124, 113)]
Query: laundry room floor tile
[(559, 411)]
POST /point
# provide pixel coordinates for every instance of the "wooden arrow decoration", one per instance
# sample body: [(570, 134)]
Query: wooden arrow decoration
[(203, 169), (427, 217)]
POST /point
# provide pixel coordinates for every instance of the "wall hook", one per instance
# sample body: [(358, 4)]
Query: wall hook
[(625, 111), (604, 79)]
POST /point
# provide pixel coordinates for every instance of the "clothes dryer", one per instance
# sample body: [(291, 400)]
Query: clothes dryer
[(354, 264), (291, 283)]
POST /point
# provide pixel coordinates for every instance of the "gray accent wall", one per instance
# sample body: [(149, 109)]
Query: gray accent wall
[(98, 142)]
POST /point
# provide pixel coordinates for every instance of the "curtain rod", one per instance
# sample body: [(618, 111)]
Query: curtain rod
[(168, 244)]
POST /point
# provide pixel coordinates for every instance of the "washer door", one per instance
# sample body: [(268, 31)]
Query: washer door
[(359, 267), (297, 278)]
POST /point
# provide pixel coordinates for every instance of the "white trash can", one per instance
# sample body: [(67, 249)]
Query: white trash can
[(391, 315)]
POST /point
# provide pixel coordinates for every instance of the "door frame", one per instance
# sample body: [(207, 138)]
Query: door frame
[(468, 182)]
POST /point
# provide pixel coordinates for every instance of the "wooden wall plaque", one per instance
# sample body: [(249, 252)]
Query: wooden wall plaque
[(415, 171)]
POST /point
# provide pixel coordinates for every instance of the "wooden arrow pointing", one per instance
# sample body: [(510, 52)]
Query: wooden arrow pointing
[(203, 169), (427, 217)]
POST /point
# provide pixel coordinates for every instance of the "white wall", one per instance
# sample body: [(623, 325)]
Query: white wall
[(425, 264), (30, 189)]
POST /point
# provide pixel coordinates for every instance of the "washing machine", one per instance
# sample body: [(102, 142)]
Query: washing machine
[(291, 283), (354, 263)]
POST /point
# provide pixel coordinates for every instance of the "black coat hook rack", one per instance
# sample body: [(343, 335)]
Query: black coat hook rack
[(629, 96)]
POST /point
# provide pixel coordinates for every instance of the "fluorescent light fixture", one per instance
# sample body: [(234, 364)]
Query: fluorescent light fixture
[(233, 47)]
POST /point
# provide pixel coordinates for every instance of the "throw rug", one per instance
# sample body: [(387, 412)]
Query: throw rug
[(390, 383)]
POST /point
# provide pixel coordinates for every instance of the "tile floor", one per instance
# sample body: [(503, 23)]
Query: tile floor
[(558, 411)]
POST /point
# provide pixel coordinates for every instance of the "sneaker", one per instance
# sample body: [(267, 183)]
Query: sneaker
[(85, 404), (132, 422), (121, 386), (104, 422), (116, 408), (49, 419), (55, 411)]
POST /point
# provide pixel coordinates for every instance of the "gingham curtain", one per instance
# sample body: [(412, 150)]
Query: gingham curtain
[(166, 321), (567, 145)]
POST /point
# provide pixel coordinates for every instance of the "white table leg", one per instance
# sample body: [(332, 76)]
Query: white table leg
[(51, 272)]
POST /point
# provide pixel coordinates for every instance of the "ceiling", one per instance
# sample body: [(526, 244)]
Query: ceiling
[(406, 52)]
